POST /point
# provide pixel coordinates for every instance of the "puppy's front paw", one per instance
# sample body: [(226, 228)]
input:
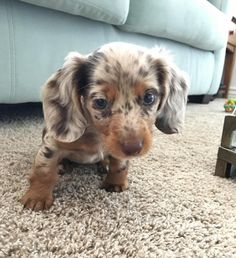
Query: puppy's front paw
[(37, 201), (109, 187)]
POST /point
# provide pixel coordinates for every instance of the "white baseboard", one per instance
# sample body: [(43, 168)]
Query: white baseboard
[(232, 92)]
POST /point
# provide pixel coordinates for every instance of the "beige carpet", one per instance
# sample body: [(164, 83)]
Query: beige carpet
[(175, 206)]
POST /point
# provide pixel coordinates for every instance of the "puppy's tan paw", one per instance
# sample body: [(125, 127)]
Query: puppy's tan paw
[(36, 202), (115, 187)]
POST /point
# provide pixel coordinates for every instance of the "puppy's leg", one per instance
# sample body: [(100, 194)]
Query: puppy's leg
[(103, 166), (117, 177), (43, 178)]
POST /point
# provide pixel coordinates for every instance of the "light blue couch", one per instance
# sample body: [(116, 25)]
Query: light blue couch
[(36, 35)]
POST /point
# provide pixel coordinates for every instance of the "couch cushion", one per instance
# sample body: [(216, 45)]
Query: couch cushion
[(113, 12), (222, 5), (197, 22)]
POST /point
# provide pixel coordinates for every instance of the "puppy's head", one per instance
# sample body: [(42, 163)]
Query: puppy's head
[(122, 90)]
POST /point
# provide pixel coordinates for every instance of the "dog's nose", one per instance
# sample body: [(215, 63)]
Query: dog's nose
[(132, 147)]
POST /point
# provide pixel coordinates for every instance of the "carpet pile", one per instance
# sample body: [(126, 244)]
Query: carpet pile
[(175, 206)]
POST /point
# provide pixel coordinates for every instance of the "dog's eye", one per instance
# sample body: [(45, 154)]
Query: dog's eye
[(100, 103), (149, 98)]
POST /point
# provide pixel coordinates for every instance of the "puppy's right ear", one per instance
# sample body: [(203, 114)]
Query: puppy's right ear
[(62, 108)]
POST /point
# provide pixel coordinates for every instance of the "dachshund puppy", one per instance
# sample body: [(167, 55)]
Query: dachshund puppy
[(102, 107)]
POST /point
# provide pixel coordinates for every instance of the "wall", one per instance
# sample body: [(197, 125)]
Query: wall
[(232, 88)]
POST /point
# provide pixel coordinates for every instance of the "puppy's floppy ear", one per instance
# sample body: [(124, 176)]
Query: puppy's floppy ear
[(174, 89), (61, 101)]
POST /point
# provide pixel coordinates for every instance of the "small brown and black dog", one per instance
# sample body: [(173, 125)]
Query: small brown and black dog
[(102, 107)]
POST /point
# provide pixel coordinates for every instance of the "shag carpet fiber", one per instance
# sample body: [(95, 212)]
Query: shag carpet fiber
[(175, 206)]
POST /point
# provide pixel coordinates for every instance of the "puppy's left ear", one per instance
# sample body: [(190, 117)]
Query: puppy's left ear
[(174, 89)]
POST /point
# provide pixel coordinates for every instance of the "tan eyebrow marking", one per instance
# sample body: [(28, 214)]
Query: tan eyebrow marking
[(108, 91), (139, 89)]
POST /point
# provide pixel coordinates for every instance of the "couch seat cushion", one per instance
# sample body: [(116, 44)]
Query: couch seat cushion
[(110, 11), (197, 22)]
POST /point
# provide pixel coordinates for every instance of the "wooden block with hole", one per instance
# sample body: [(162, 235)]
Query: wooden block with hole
[(226, 157)]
